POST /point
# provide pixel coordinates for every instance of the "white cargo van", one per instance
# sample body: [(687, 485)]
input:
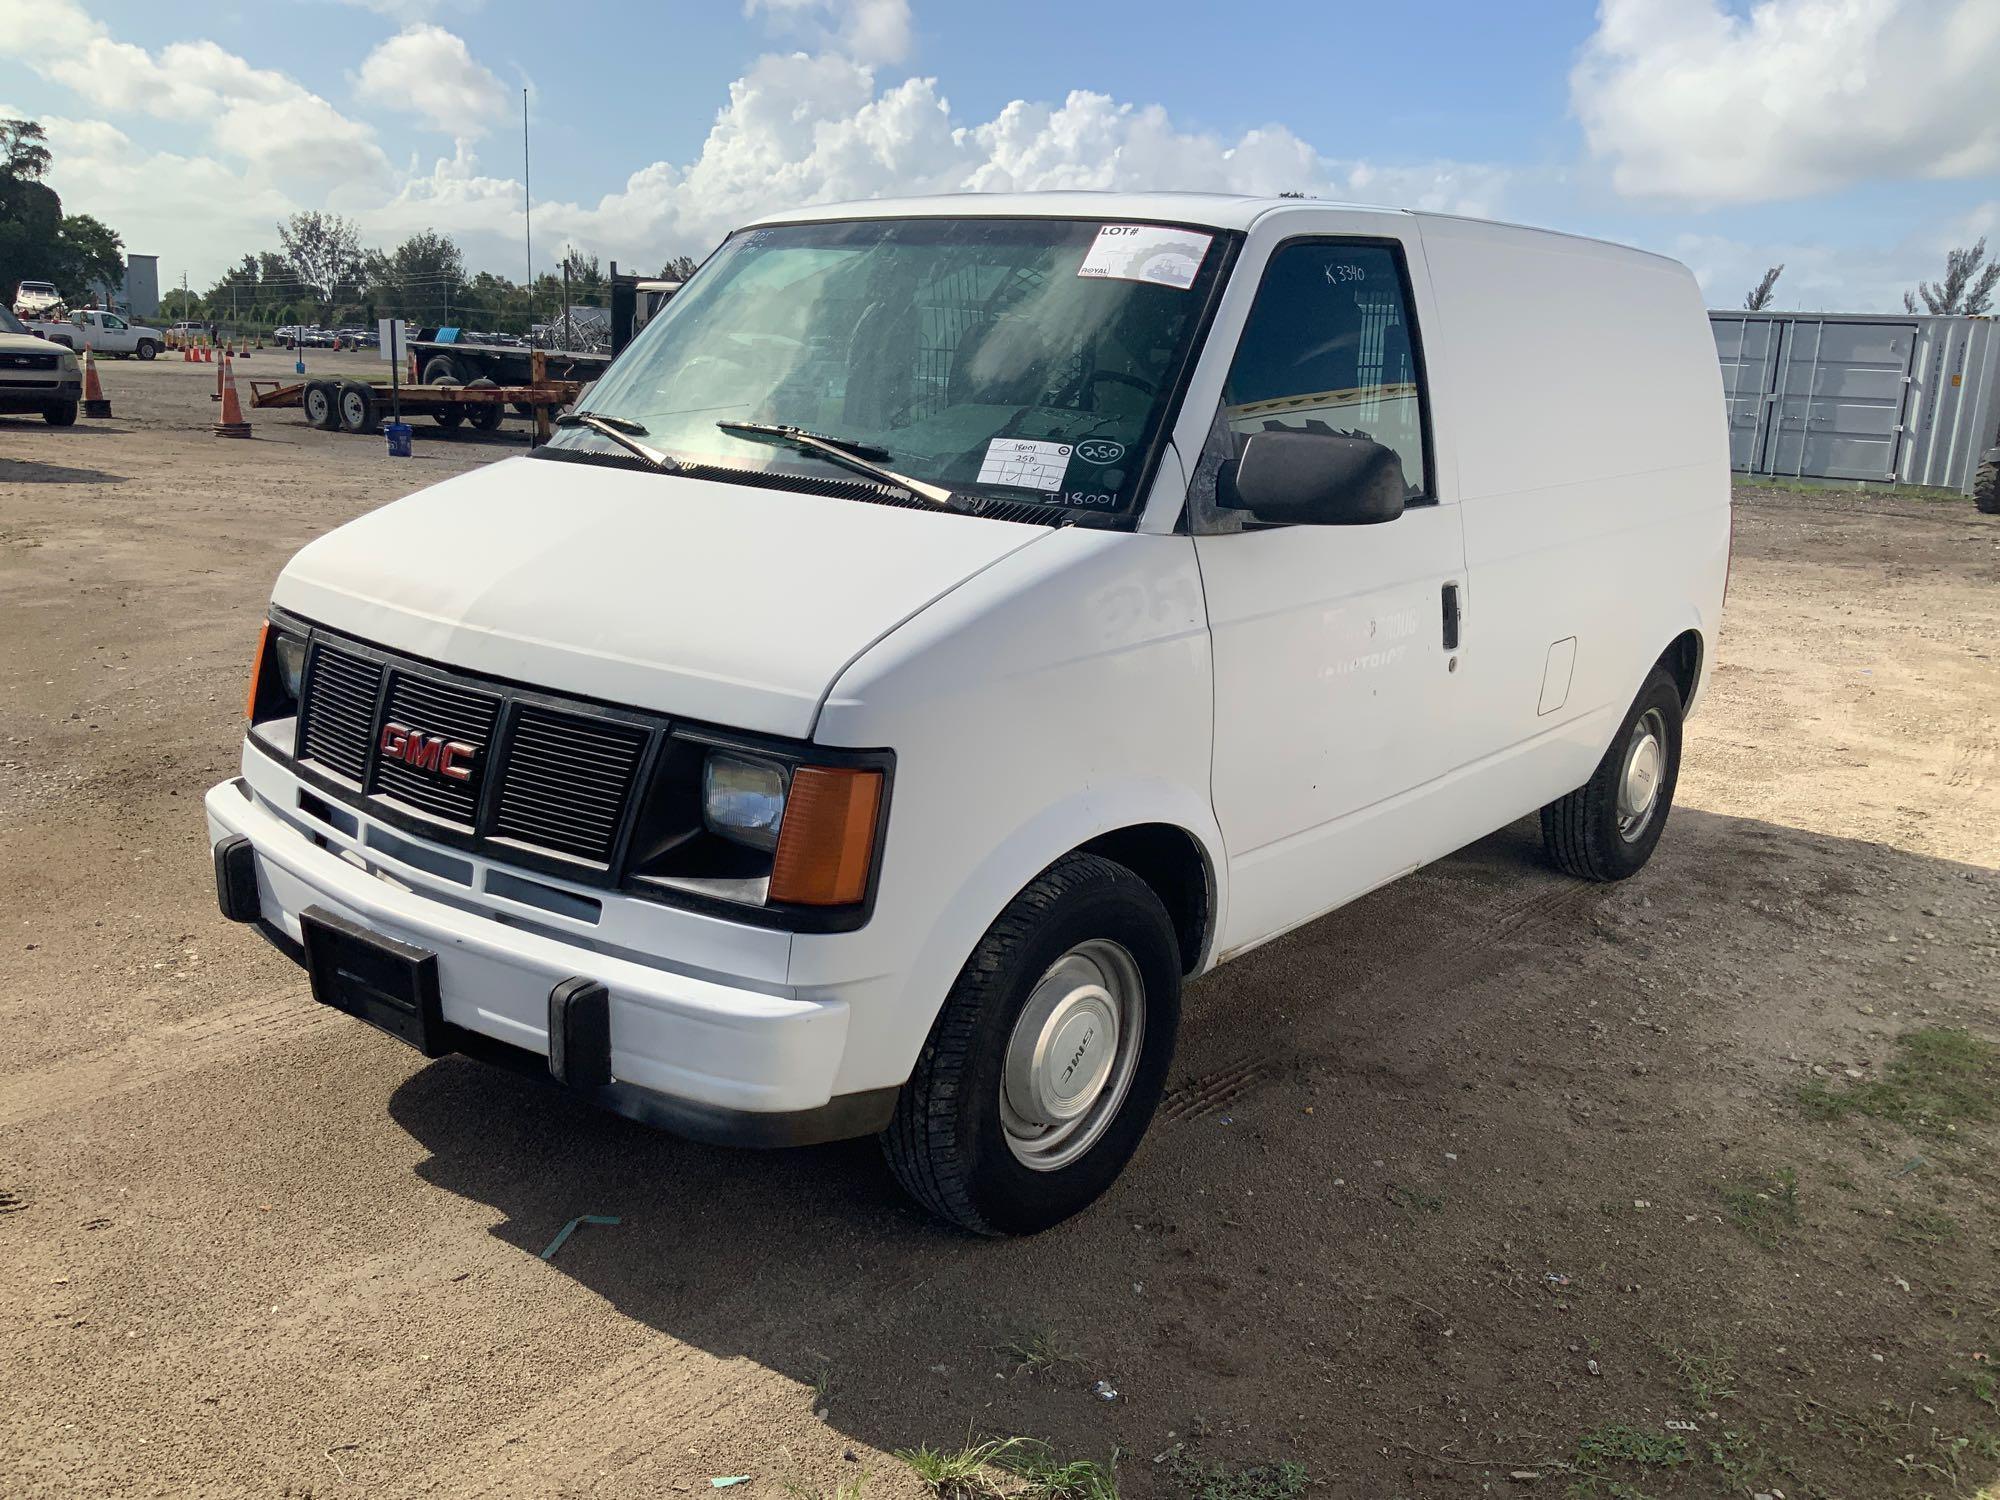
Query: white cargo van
[(954, 624)]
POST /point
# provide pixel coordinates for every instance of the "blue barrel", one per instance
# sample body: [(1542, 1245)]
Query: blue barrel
[(399, 438)]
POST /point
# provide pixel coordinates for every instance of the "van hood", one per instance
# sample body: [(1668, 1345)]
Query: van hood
[(727, 603)]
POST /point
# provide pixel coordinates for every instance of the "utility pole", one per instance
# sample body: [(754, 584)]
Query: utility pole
[(527, 212)]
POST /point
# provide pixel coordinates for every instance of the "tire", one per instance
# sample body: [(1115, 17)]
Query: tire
[(448, 417), (148, 349), (60, 414), (321, 405), (438, 369), (1986, 488), (1592, 835), (356, 404), (954, 1144), (486, 416)]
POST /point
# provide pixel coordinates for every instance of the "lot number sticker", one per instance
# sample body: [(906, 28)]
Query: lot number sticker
[(1024, 462), (1146, 252)]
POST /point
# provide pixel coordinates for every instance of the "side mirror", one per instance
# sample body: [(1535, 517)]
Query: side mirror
[(1291, 478)]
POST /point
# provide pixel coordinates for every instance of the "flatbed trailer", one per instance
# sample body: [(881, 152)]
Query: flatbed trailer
[(359, 406)]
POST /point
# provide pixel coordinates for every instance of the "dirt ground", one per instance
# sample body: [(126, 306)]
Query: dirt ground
[(1492, 1182)]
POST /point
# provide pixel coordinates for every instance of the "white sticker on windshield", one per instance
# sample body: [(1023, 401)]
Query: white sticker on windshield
[(1024, 462), (1146, 252)]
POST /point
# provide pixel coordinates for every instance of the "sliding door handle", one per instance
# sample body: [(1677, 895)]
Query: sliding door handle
[(1451, 617)]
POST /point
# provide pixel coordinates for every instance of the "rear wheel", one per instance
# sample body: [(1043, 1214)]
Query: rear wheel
[(60, 414), (357, 407), (439, 369), (320, 408), (1045, 1064), (1607, 828), (1986, 488), (448, 416), (487, 415)]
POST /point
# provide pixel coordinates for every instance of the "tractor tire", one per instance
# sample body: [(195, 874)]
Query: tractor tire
[(440, 370), (1986, 488)]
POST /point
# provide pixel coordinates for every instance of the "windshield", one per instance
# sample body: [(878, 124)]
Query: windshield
[(11, 324), (1027, 360)]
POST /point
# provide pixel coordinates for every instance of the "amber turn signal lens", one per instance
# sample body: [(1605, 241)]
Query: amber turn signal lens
[(827, 842), (257, 670)]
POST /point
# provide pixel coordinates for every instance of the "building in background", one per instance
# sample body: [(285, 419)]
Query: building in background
[(138, 296)]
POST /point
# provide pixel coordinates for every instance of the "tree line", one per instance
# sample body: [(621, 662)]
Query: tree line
[(321, 273), (1967, 288)]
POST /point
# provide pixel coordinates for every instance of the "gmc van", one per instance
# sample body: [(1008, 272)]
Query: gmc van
[(953, 625)]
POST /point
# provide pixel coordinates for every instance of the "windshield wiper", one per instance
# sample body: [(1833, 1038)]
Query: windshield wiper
[(849, 455), (620, 430)]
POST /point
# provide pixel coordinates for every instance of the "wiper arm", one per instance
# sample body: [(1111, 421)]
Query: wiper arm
[(849, 455), (620, 430)]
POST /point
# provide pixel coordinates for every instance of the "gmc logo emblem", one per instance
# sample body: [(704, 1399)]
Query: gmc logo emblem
[(446, 758)]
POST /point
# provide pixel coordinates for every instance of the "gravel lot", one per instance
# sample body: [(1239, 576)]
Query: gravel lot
[(1491, 1174)]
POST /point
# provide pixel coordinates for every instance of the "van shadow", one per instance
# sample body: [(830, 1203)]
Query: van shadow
[(28, 471), (1380, 1132)]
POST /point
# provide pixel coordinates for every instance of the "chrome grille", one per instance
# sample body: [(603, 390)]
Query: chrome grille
[(340, 710), (440, 711), (566, 781)]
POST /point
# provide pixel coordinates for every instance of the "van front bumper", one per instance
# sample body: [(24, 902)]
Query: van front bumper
[(697, 1056)]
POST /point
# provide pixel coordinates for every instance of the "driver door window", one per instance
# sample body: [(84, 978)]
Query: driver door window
[(1330, 346)]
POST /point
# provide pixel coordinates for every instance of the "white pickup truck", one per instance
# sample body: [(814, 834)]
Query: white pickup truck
[(104, 332)]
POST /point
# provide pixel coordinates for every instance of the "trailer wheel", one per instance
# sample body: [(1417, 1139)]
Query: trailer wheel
[(321, 410), (439, 369), (486, 416), (448, 416), (357, 407), (1986, 488)]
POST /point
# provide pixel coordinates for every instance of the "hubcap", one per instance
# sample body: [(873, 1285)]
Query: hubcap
[(1639, 782), (1071, 1057)]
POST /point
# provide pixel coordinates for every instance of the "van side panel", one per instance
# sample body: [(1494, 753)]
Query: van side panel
[(1580, 385)]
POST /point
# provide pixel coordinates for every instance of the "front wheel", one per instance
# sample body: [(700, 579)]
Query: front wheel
[(60, 414), (1607, 828), (1045, 1064), (147, 348)]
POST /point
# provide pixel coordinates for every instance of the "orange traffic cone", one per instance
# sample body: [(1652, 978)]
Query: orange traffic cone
[(232, 423), (187, 354), (94, 404)]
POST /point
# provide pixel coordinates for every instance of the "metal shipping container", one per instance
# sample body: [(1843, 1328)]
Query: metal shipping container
[(1904, 400)]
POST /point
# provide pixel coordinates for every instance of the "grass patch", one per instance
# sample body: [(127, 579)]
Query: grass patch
[(1762, 1207), (1209, 1479), (1805, 486), (1924, 1228), (1414, 1201), (1037, 1351), (1940, 1076), (959, 1473), (1624, 1448), (1708, 1377), (1050, 1478)]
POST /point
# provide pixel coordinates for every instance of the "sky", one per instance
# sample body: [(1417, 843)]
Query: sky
[(1853, 140)]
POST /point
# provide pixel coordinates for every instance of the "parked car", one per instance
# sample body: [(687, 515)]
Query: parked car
[(36, 375), (104, 332), (954, 624)]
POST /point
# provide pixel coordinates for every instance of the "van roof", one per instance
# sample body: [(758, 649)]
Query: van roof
[(1212, 210)]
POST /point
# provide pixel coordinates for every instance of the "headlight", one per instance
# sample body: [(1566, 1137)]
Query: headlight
[(743, 800), (275, 676)]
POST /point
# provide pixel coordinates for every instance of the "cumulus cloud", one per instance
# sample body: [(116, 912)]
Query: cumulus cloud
[(429, 72), (1688, 101), (873, 31), (256, 114)]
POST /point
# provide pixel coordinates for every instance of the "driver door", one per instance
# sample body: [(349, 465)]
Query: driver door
[(1334, 664)]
